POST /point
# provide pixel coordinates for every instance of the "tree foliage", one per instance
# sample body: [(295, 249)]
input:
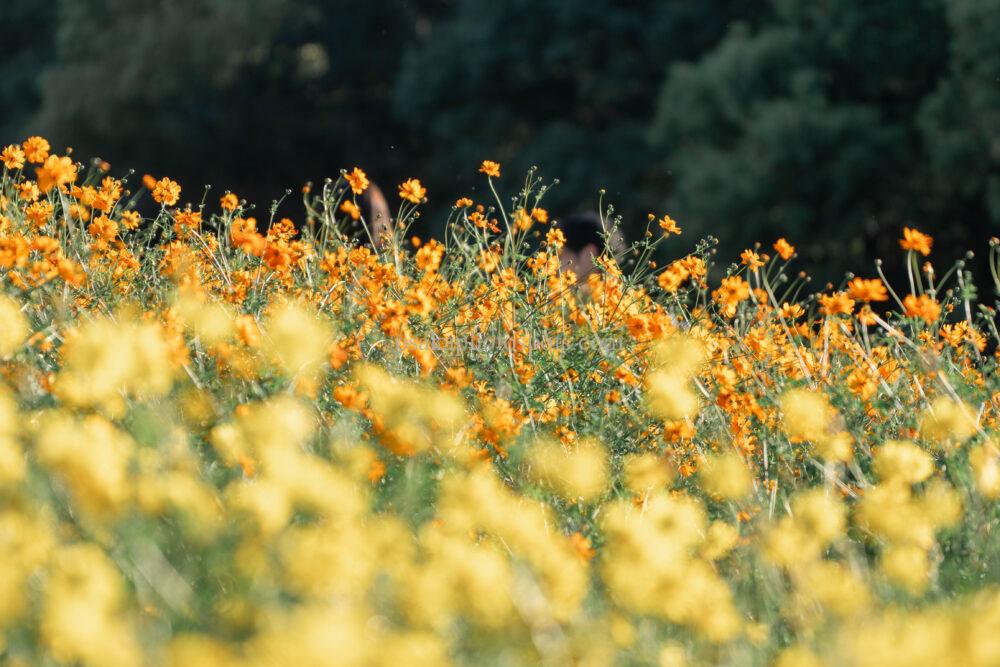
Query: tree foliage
[(831, 122)]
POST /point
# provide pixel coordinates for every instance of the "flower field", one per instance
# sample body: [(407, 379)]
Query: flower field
[(228, 437)]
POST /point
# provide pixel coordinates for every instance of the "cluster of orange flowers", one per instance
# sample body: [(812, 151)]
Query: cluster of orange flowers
[(225, 441)]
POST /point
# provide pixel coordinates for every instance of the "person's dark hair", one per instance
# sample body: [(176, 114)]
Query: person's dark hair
[(581, 230)]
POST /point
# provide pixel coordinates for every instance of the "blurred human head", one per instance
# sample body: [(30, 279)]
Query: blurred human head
[(375, 211)]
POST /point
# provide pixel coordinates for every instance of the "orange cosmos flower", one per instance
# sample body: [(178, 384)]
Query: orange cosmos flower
[(867, 290), (424, 357), (244, 236), (131, 219), (12, 157), (412, 191), (914, 240), (836, 304), (38, 212), (540, 214), (351, 209), (70, 271), (338, 356), (488, 261), (582, 546), (376, 470), (490, 168), (248, 331), (960, 333), (751, 259), (229, 202), (922, 306), (166, 192), (673, 277), (36, 149), (112, 188), (523, 220), (464, 202), (103, 228), (56, 171), (730, 293), (555, 238), (27, 191), (669, 225), (792, 311), (358, 180), (784, 249), (429, 257), (866, 316), (187, 218)]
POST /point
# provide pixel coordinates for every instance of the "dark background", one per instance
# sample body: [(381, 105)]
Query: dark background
[(831, 122)]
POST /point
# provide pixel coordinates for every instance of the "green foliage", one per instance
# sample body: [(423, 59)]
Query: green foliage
[(203, 89), (805, 126), (960, 121), (566, 85), (26, 31), (832, 123)]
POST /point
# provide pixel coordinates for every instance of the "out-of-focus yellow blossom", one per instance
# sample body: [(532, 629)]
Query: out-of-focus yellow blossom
[(479, 503), (13, 326), (817, 519), (646, 472), (985, 462), (213, 323), (679, 354), (948, 421), (26, 542), (660, 539), (726, 475), (189, 650), (91, 457), (576, 472), (83, 619), (806, 415), (296, 339), (889, 511), (412, 417), (672, 654), (833, 586), (907, 565), (901, 461), (12, 462), (267, 502), (670, 396), (184, 496), (836, 447), (941, 504), (797, 656), (106, 358), (720, 539)]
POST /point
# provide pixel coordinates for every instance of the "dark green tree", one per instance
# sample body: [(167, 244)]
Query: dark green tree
[(563, 85), (254, 95), (806, 127), (832, 122), (960, 122), (27, 31)]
